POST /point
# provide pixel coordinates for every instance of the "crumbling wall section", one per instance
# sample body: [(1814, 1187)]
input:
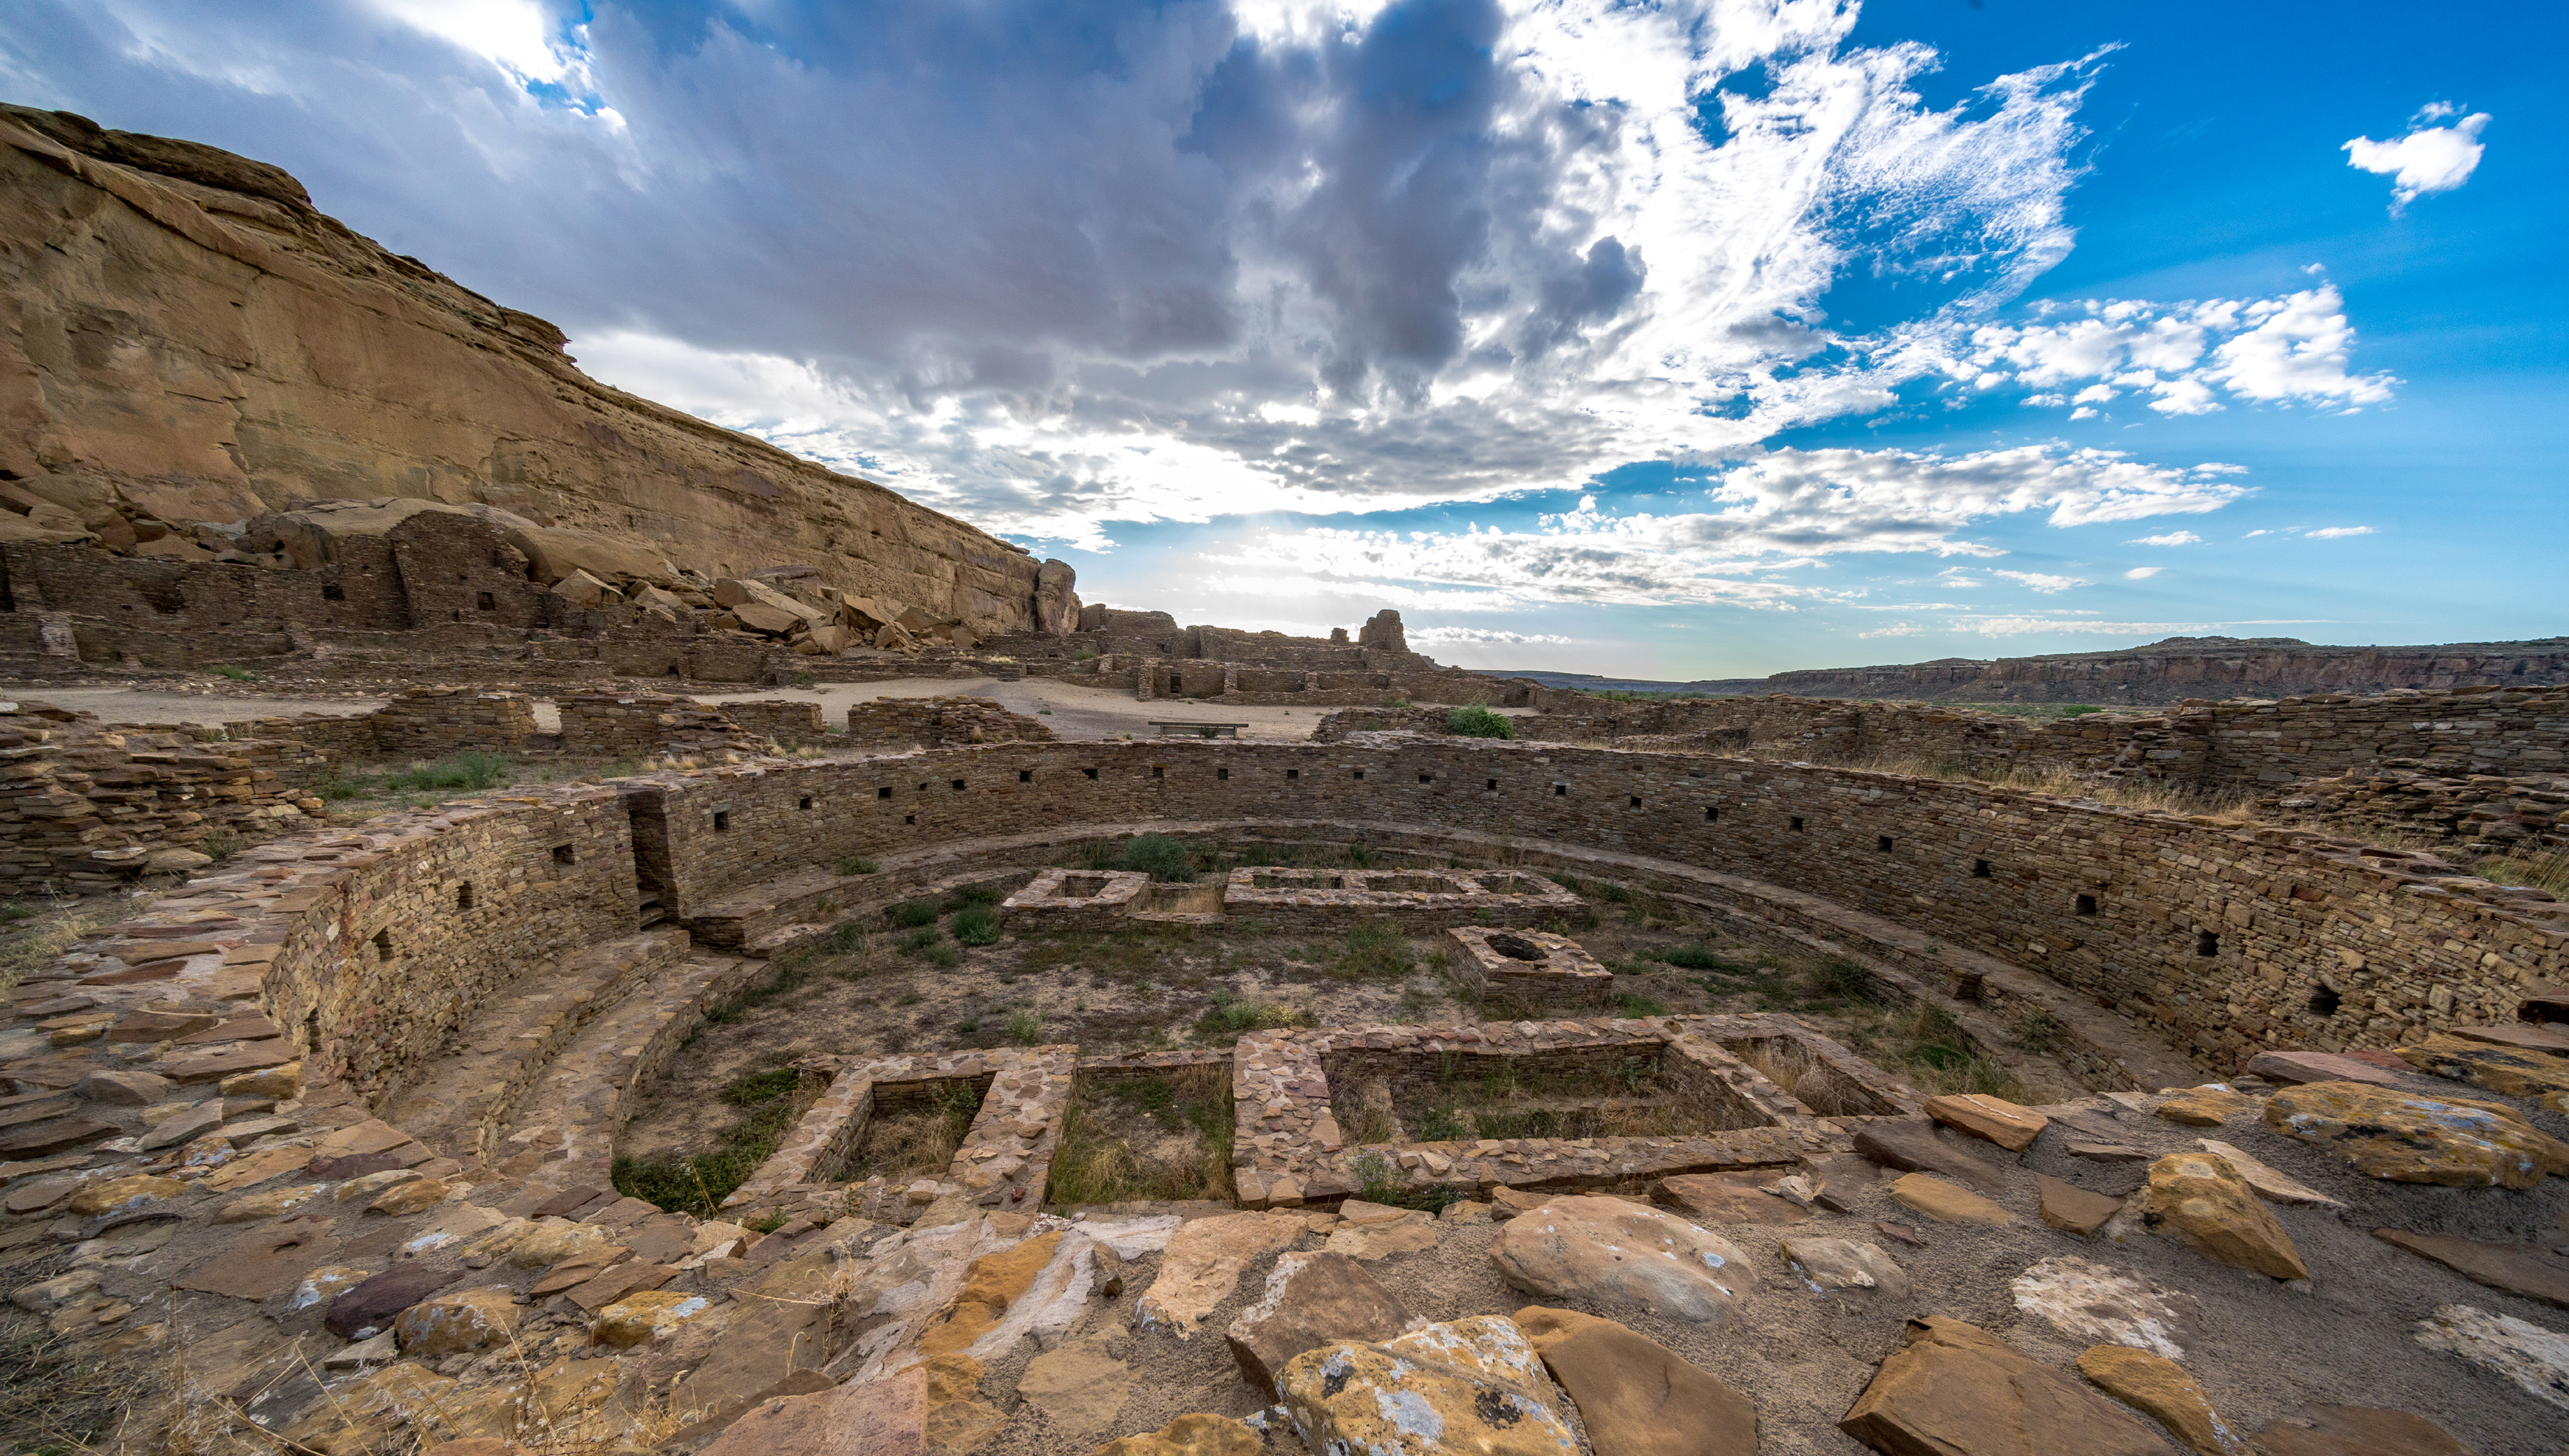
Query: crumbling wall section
[(946, 722)]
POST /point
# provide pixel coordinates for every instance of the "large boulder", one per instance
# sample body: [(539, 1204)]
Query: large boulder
[(466, 1320), (1471, 1386), (1311, 1299), (1056, 604), (1605, 1251), (1204, 1262), (2408, 1137), (554, 552), (2516, 1071), (2203, 1201), (1955, 1389)]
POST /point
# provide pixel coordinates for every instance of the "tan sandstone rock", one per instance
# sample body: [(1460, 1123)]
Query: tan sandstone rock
[(1189, 1435), (2408, 1138), (464, 1319), (1609, 1252), (2068, 1207), (1204, 1262), (2201, 1200), (2208, 1106), (637, 1319), (1311, 1299), (1953, 1390), (1994, 1119), (1469, 1385), (2513, 1071), (2159, 1388), (1925, 1193), (1636, 1397)]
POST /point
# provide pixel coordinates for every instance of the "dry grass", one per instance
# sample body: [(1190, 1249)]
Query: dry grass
[(2544, 872), (1096, 1162), (39, 930), (2228, 806)]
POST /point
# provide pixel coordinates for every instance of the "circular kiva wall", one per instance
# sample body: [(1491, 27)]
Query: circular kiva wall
[(2221, 940)]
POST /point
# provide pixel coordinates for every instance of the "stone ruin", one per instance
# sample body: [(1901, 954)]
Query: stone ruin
[(340, 1115)]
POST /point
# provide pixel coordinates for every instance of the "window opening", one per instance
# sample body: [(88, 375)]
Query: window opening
[(1711, 812), (1980, 869), (483, 601), (1092, 773), (563, 854), (1025, 776), (1797, 824), (383, 944), (464, 896), (883, 792), (2325, 1001), (2206, 943), (1882, 843), (2086, 905), (722, 821), (803, 803)]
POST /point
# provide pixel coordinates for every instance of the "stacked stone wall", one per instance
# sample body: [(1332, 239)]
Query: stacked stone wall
[(433, 722), (627, 725), (83, 808), (946, 722), (2115, 903), (792, 725)]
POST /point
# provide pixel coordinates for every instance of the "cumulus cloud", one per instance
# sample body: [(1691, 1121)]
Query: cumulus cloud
[(2020, 626), (2334, 533), (1051, 267), (1894, 629), (2428, 159), (2143, 574), (1774, 518), (2168, 539), (2183, 358), (2047, 584)]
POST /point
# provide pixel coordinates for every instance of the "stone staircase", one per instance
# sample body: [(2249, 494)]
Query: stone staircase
[(512, 1043)]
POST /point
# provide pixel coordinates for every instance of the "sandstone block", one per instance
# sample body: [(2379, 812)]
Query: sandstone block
[(1911, 1146), (2068, 1207), (1725, 1198), (2201, 1200), (466, 1320), (1189, 1435), (374, 1304), (1470, 1385), (283, 1082), (2357, 1431), (1311, 1299), (250, 1208), (886, 1417), (1205, 1260), (2272, 1186), (2205, 1106), (2159, 1388), (2408, 1138), (1992, 1118), (126, 1088), (118, 1195), (1956, 1390), (640, 1318), (1636, 1397), (1845, 1264), (1607, 1252), (1934, 1198), (2512, 1268), (2512, 1071), (2292, 1068)]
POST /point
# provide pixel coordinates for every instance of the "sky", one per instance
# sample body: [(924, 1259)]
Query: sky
[(1674, 340)]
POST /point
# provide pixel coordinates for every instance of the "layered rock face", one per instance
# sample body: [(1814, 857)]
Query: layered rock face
[(2179, 668), (187, 340)]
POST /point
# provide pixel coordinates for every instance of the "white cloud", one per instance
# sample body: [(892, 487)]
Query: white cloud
[(1482, 636), (2334, 532), (1781, 513), (2143, 574), (2430, 158), (2048, 586), (2292, 348), (1894, 629), (2170, 539), (2018, 626)]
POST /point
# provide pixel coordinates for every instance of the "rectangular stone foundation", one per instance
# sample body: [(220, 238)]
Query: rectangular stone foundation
[(1292, 898), (1531, 973)]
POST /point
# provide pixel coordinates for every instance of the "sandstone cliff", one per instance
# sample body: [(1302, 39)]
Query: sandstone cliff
[(184, 338)]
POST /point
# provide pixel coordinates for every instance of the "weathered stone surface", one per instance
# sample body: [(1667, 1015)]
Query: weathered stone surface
[(886, 1417), (779, 1323), (1956, 1390), (464, 1319), (1078, 1386), (2357, 1431), (1404, 1231), (2272, 1186), (990, 1284), (1311, 1299), (1189, 1435), (1934, 1197), (1991, 1119), (375, 1303), (263, 1262), (2159, 1388), (2512, 1268), (1470, 1385), (250, 1208), (124, 1194), (281, 1082), (1911, 1145), (1725, 1198), (1636, 1397), (640, 1318), (2089, 1302), (2207, 1106), (2292, 1068), (2406, 1138), (403, 1200), (2536, 1359), (2107, 1153), (2068, 1207), (1845, 1264), (2512, 1071), (2201, 1200), (127, 1087), (1203, 1261), (38, 1139), (1609, 1252)]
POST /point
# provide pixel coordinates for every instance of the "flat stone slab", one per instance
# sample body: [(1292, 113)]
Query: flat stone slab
[(263, 1262), (214, 1065), (2511, 1268), (1955, 1388), (2296, 1067), (1912, 1145)]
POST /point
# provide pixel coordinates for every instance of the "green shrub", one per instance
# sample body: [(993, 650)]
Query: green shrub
[(1375, 949), (1159, 856), (943, 955), (910, 913), (237, 674), (471, 769), (345, 788), (1839, 977), (972, 895), (1695, 958), (858, 865), (1025, 1028), (1477, 721), (978, 926), (918, 942), (844, 940), (1629, 1005)]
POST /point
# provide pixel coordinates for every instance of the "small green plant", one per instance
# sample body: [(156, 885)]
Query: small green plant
[(976, 926), (909, 997), (1025, 1028), (844, 940), (14, 911), (1159, 856), (1043, 712), (1477, 721), (237, 674), (1843, 978), (766, 1223), (943, 955), (344, 789), (2037, 1031), (912, 914), (968, 1025), (972, 895), (858, 865), (1635, 1005), (1083, 655), (470, 769), (804, 680), (1375, 949), (222, 844), (918, 942), (1695, 958)]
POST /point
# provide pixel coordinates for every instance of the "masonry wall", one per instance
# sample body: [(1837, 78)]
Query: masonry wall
[(2312, 942), (546, 879)]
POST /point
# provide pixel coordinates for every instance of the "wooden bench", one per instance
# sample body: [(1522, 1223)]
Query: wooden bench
[(1198, 730)]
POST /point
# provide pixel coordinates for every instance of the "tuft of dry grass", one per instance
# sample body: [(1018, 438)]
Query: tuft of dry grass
[(48, 930), (2228, 806), (1095, 1164)]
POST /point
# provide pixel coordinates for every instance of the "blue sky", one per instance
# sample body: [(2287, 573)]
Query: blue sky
[(1674, 340)]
